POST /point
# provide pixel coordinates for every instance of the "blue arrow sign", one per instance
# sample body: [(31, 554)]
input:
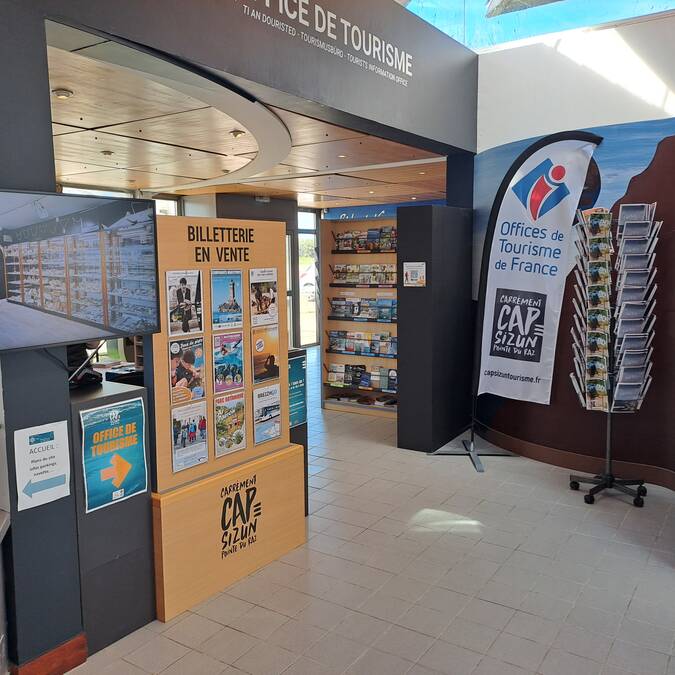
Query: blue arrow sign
[(40, 485)]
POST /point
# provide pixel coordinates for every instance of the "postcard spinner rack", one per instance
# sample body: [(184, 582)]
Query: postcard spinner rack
[(614, 301)]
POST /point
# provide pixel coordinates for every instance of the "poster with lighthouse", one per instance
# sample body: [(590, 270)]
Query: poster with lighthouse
[(226, 299)]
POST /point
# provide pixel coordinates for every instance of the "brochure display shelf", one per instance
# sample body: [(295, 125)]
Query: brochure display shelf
[(614, 302), (85, 278), (359, 286)]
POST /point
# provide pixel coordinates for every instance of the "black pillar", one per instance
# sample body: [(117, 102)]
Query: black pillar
[(40, 553), (435, 327)]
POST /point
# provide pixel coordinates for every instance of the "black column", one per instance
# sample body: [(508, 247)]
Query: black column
[(40, 554), (435, 327)]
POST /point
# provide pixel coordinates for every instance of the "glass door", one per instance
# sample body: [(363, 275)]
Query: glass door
[(308, 278)]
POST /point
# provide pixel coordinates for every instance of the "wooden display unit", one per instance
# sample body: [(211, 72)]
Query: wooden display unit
[(205, 513), (382, 288)]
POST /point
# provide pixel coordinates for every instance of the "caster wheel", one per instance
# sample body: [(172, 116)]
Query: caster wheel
[(574, 485), (589, 499), (642, 491), (639, 502)]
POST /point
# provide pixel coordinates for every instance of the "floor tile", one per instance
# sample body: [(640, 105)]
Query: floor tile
[(474, 636), (405, 643), (193, 630), (228, 645), (487, 613), (157, 655), (266, 659), (258, 622), (223, 608), (583, 643), (375, 662), (558, 662), (518, 651), (336, 651), (362, 627), (450, 659), (296, 636), (196, 663)]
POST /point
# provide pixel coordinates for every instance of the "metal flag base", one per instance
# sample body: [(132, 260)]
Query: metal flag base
[(473, 453)]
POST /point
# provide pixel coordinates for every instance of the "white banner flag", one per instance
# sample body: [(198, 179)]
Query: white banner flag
[(530, 239)]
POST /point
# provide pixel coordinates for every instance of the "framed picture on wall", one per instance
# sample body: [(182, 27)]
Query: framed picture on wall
[(184, 301), (263, 296), (228, 362), (227, 306)]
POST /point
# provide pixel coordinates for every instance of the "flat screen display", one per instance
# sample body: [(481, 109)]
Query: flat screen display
[(75, 269)]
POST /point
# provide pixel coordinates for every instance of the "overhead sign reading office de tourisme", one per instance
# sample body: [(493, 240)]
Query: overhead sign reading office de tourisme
[(310, 22)]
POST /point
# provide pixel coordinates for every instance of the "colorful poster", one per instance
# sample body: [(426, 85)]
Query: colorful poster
[(526, 266), (189, 436), (226, 299), (184, 301), (267, 413), (297, 390), (230, 423), (265, 350), (228, 362), (42, 464), (263, 296), (186, 360), (415, 274), (113, 453)]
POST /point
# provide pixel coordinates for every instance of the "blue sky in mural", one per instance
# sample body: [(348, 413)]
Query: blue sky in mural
[(466, 21), (626, 151)]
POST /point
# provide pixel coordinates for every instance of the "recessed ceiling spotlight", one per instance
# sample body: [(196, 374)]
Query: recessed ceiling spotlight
[(371, 192), (423, 173), (107, 153), (62, 93), (225, 170), (342, 156), (236, 133), (414, 199)]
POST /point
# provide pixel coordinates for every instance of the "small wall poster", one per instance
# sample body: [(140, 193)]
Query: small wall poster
[(265, 350), (297, 390), (230, 423), (414, 274), (228, 362), (186, 358), (184, 301), (263, 296), (42, 459), (267, 413), (113, 453), (189, 436), (226, 299)]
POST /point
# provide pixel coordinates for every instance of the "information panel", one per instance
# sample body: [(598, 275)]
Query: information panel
[(113, 453), (297, 390)]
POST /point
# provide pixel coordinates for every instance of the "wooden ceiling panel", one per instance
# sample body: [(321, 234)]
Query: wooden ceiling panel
[(364, 151), (242, 189), (324, 183), (104, 94), (90, 146), (306, 130), (205, 129), (283, 170), (379, 191), (58, 129), (127, 179), (211, 166), (65, 168), (415, 173)]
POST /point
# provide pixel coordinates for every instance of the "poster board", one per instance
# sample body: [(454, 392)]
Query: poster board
[(216, 531), (186, 245)]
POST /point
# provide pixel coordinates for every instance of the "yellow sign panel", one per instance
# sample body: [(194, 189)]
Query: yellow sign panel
[(214, 532)]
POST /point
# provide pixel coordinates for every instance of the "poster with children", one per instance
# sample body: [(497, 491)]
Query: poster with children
[(189, 436), (228, 362), (186, 359), (263, 296)]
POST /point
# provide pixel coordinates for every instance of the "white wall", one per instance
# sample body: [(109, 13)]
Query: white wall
[(576, 80), (200, 206)]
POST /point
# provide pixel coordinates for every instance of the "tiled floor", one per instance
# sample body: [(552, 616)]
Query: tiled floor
[(419, 565)]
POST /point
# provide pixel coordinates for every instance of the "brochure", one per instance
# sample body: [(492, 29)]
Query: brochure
[(596, 367), (598, 319), (598, 224), (186, 362), (230, 423), (596, 395), (184, 301), (597, 343), (263, 296), (228, 362), (189, 433), (226, 299), (267, 413), (598, 273), (598, 296), (265, 350)]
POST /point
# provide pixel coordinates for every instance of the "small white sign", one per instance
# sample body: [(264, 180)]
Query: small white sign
[(42, 459), (415, 274)]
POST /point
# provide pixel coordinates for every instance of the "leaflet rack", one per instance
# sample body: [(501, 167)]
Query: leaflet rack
[(614, 324)]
